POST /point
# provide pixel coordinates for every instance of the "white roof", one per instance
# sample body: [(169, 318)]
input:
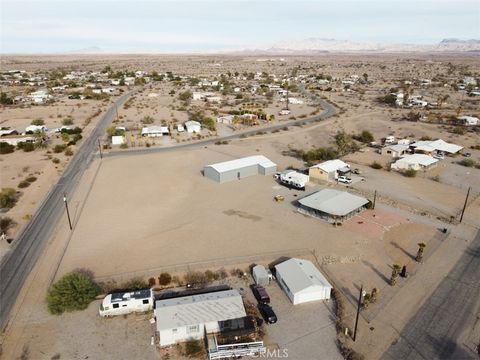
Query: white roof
[(192, 123), (260, 271), (199, 309), (331, 165), (398, 147), (154, 129), (438, 145), (243, 162), (421, 159), (333, 202), (300, 275)]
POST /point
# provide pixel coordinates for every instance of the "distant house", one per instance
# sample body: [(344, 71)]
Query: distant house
[(284, 112), (194, 316), (302, 281), (328, 171), (226, 119), (40, 96), (35, 128), (415, 162), (193, 126), (8, 132), (469, 120), (118, 139), (435, 146), (17, 140), (395, 151), (154, 131)]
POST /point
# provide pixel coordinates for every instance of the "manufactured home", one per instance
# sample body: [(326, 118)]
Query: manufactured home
[(127, 302)]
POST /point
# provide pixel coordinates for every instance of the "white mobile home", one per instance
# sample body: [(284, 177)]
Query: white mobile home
[(415, 162), (193, 316), (126, 303), (302, 281), (193, 126)]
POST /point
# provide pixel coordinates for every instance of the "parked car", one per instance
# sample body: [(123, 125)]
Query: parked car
[(267, 313), (344, 180), (260, 294)]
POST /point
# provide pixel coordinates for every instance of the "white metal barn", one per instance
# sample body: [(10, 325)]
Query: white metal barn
[(190, 317), (240, 168), (302, 281), (126, 303)]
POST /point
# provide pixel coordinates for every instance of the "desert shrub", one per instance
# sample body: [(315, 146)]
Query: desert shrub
[(436, 178), (369, 205), (6, 148), (410, 173), (475, 147), (67, 121), (68, 152), (467, 162), (6, 223), (147, 119), (387, 99), (192, 347), (195, 278), (59, 148), (56, 160), (376, 165), (73, 291), (459, 130), (23, 184), (236, 272), (365, 137), (222, 273), (31, 179), (211, 275), (38, 122), (124, 146), (152, 282), (75, 130), (135, 284), (164, 278), (8, 198), (26, 146)]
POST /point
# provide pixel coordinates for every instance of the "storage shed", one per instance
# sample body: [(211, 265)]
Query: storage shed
[(260, 275), (240, 168), (302, 281)]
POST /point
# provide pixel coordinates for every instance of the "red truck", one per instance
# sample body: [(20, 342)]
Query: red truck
[(260, 294)]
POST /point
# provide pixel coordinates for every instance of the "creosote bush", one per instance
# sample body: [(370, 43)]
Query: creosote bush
[(74, 291)]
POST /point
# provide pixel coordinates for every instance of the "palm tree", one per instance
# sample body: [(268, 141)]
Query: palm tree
[(393, 278), (40, 139), (421, 247)]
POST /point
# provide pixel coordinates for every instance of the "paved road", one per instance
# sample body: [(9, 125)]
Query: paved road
[(435, 331), (329, 110), (17, 264)]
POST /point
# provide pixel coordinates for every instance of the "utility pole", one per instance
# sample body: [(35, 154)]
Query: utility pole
[(287, 99), (358, 312), (100, 148), (68, 212), (374, 199), (465, 205), (116, 111)]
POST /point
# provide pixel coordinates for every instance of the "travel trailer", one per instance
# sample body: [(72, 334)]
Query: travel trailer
[(127, 302)]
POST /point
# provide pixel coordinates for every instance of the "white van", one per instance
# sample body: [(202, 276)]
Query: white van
[(126, 303)]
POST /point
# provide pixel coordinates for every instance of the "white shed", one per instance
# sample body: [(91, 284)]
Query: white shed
[(302, 281), (261, 275), (118, 139), (193, 126)]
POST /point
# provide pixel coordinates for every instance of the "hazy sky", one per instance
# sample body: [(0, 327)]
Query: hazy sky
[(31, 26)]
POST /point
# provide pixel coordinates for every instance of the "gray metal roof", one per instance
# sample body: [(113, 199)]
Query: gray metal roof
[(300, 275), (243, 162), (333, 202), (199, 309)]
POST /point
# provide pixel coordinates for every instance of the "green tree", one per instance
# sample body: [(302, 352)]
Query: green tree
[(6, 224), (5, 100), (73, 291), (8, 198), (365, 137), (147, 119), (345, 143), (393, 278)]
